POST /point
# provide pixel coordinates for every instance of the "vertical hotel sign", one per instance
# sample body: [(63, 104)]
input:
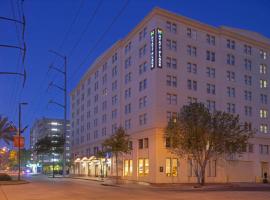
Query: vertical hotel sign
[(156, 37), (152, 48)]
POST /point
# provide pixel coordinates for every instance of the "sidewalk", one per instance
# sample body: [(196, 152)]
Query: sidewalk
[(180, 186)]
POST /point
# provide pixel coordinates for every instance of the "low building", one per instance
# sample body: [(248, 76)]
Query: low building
[(142, 81)]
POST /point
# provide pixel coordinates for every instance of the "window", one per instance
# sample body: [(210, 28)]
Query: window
[(210, 88), (171, 62), (263, 113), (171, 45), (114, 85), (128, 108), (140, 143), (171, 99), (191, 33), (143, 168), (264, 128), (128, 62), (230, 107), (104, 118), (127, 93), (230, 92), (96, 86), (248, 80), (230, 44), (192, 100), (103, 132), (114, 114), (104, 79), (171, 166), (145, 143), (210, 39), (142, 85), (230, 59), (128, 167), (263, 84), (114, 58), (114, 71), (263, 54), (104, 105), (114, 100), (263, 69), (248, 64), (127, 124), (248, 111), (142, 51), (128, 48), (212, 168), (172, 27), (230, 76), (142, 102), (264, 149), (142, 67), (128, 78), (142, 119), (191, 50), (210, 56), (211, 105), (192, 68), (171, 81), (247, 49), (211, 72), (114, 128), (248, 95), (263, 98), (192, 85), (96, 75), (171, 116), (250, 148), (142, 34)]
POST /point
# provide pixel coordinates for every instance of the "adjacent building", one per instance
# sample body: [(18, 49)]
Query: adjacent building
[(48, 127), (143, 80)]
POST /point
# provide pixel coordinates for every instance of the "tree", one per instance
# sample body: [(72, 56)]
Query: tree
[(50, 146), (201, 135), (7, 130), (99, 156), (117, 144)]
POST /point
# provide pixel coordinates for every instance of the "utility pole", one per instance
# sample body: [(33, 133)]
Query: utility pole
[(64, 106), (19, 150)]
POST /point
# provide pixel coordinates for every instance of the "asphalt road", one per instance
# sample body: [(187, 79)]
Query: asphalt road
[(42, 188)]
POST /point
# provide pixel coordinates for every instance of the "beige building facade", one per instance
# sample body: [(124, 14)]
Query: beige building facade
[(165, 62)]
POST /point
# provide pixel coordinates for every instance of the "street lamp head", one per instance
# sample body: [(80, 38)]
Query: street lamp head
[(24, 103)]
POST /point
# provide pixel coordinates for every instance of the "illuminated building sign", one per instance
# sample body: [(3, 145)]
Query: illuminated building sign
[(156, 37), (159, 47), (152, 51)]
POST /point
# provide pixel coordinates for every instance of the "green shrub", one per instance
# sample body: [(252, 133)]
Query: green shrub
[(5, 177)]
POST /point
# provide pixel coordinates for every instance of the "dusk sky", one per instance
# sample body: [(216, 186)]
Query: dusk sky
[(71, 28)]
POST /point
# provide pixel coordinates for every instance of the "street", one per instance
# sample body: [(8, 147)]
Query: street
[(41, 188)]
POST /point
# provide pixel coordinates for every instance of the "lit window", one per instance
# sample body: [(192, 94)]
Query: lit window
[(263, 83), (143, 168), (263, 69), (263, 113), (128, 167), (263, 54), (171, 167), (264, 128)]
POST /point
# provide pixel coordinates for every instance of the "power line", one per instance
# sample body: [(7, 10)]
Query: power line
[(74, 73), (46, 76), (85, 29)]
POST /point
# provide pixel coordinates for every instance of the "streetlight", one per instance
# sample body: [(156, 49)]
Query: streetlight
[(19, 151)]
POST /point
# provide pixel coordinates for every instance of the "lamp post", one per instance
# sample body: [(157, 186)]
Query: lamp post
[(19, 150)]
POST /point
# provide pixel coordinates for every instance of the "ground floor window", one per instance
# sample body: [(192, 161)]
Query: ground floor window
[(128, 167), (171, 166), (192, 167), (212, 168), (143, 168)]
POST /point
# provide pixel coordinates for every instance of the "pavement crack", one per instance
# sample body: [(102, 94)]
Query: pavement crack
[(3, 192)]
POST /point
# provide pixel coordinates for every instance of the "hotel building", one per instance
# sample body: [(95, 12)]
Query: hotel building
[(143, 80)]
